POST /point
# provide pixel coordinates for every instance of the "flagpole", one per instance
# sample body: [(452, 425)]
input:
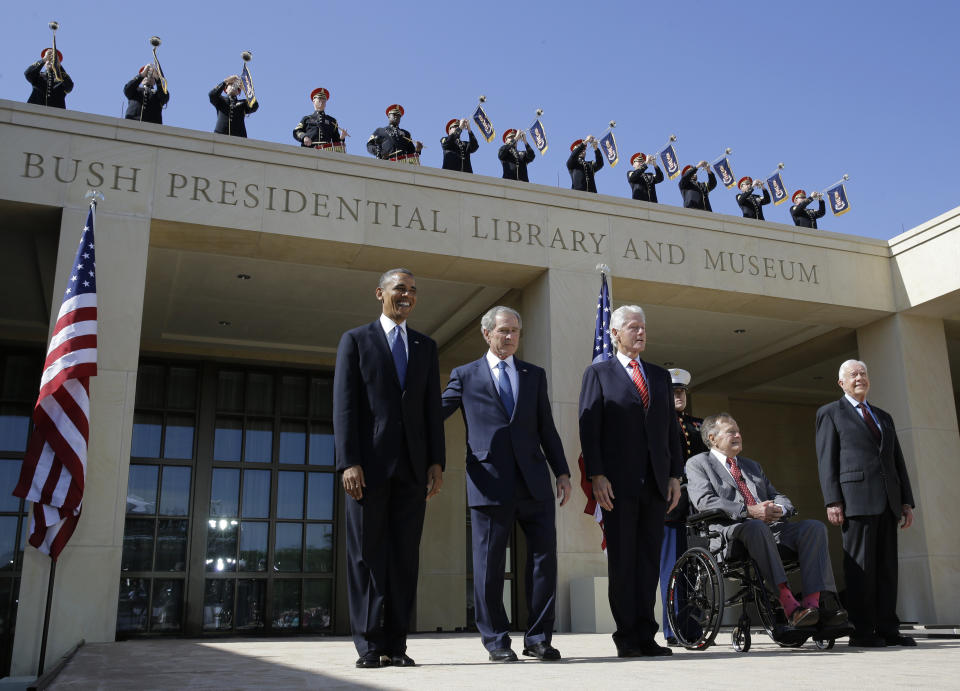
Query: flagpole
[(834, 184), (726, 153), (605, 271)]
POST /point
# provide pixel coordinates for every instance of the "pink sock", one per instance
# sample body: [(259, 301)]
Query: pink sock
[(787, 600), (812, 601)]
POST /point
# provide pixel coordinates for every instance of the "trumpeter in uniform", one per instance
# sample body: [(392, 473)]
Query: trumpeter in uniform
[(696, 195), (146, 97), (393, 143), (231, 109), (752, 204), (642, 183), (802, 216), (514, 162), (49, 80), (318, 129), (583, 172), (456, 151)]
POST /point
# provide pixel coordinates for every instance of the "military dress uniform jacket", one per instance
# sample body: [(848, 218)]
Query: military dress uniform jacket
[(320, 127), (804, 217), (514, 162), (752, 204), (231, 112), (643, 184), (456, 152), (696, 195), (146, 104), (691, 444), (387, 142), (47, 91), (583, 172)]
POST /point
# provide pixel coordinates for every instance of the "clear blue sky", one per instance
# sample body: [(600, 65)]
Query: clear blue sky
[(868, 89)]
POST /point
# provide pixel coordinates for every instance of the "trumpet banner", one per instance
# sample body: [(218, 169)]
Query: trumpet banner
[(484, 124), (778, 192), (247, 80), (724, 172), (839, 204), (671, 164), (608, 144), (539, 136)]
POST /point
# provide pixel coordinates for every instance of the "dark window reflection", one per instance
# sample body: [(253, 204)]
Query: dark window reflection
[(9, 476), (320, 496), (259, 393), (142, 489), (218, 605), (230, 391), (318, 604), (321, 445), (150, 386), (133, 604), (253, 546), (8, 609), (146, 435), (251, 598), (293, 442), (287, 550), (293, 395), (137, 545), (8, 542), (286, 604), (258, 445), (289, 494), (171, 545), (227, 439), (14, 427), (319, 553), (178, 438), (175, 491), (224, 492), (321, 398), (167, 604), (221, 545), (20, 377), (256, 494), (182, 388)]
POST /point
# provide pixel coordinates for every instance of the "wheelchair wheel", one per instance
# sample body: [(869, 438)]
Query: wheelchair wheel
[(824, 644), (695, 599), (740, 638)]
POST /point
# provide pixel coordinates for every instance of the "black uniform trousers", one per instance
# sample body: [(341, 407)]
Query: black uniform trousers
[(870, 568)]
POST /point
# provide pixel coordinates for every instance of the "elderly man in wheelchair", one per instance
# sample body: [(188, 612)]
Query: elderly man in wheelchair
[(744, 517)]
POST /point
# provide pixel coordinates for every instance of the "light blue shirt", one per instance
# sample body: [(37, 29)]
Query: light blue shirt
[(856, 404)]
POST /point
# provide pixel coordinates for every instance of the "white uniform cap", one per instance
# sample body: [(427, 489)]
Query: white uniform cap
[(680, 377)]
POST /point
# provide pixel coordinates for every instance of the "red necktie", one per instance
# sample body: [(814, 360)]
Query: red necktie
[(741, 483), (640, 383), (871, 423)]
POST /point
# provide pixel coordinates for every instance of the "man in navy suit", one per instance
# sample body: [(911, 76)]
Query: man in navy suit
[(867, 492), (631, 451), (388, 436), (511, 439)]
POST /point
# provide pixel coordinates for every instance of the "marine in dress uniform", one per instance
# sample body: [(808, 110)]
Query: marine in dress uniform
[(751, 204), (318, 129), (47, 91), (696, 195), (642, 183), (802, 216), (393, 143), (456, 152), (514, 162), (146, 97), (583, 172), (231, 110), (674, 528)]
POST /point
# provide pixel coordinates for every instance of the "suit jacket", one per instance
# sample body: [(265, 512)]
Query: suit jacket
[(618, 438), (691, 444), (456, 152), (696, 195), (643, 184), (711, 487), (583, 173), (752, 204), (867, 477), (514, 162), (497, 444), (804, 217), (376, 424)]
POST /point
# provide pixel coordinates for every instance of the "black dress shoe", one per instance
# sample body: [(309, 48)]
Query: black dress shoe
[(867, 641), (673, 642), (833, 618), (402, 660), (651, 649), (503, 655), (542, 651), (369, 660), (897, 639)]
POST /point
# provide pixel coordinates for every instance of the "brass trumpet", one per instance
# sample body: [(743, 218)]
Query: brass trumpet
[(57, 71), (155, 42)]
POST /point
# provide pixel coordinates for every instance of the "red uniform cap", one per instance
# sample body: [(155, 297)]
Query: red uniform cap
[(44, 52), (642, 156), (507, 134), (798, 193), (454, 121), (576, 144), (685, 169), (395, 107), (745, 178), (320, 91), (143, 68)]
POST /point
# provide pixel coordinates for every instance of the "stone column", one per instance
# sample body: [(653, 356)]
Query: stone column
[(88, 570), (910, 378)]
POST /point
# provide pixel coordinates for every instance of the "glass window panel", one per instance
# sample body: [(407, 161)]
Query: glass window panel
[(21, 374), (318, 604), (258, 446), (253, 546), (150, 386), (14, 427), (286, 604), (287, 548), (293, 442), (293, 395), (182, 388), (224, 492), (256, 494), (259, 392), (133, 603), (178, 437), (171, 545), (230, 391), (289, 494), (218, 604), (319, 553), (9, 476), (251, 599), (142, 489), (146, 435), (167, 604), (321, 398), (221, 545), (227, 439), (137, 545), (8, 543), (321, 445), (175, 491), (320, 496)]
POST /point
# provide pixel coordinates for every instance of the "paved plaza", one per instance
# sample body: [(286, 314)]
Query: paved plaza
[(457, 661)]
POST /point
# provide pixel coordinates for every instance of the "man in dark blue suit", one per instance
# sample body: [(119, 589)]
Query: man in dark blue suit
[(510, 440), (388, 435), (631, 451)]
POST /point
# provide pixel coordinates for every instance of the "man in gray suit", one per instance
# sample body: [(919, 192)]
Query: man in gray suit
[(722, 479), (867, 492)]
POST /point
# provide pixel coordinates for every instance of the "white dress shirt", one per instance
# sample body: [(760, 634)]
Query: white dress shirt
[(494, 363), (388, 326)]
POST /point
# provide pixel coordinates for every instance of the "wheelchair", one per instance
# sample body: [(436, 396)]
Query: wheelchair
[(697, 594)]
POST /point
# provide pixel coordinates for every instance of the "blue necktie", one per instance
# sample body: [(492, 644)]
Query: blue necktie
[(399, 355), (506, 390)]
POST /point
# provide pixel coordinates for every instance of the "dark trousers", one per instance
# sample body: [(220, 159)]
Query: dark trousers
[(634, 531), (674, 544), (870, 567), (383, 557), (490, 530)]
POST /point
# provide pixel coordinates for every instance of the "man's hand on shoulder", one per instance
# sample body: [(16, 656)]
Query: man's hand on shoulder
[(563, 489), (354, 482), (434, 480)]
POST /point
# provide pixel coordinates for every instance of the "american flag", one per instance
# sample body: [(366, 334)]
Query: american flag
[(602, 350), (55, 465)]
